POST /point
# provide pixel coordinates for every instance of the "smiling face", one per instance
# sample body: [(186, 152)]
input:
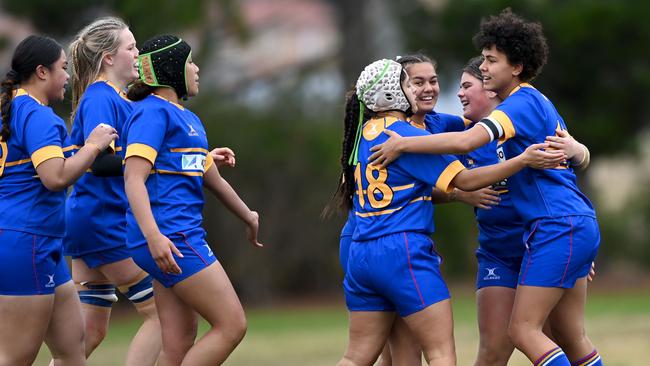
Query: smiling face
[(425, 83), (498, 74), (125, 59), (57, 78), (476, 101), (191, 77)]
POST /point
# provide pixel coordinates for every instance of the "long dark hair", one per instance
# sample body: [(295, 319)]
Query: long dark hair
[(29, 54), (342, 199), (139, 90)]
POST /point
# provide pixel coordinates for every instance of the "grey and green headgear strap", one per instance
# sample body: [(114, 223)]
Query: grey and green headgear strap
[(162, 63), (354, 156)]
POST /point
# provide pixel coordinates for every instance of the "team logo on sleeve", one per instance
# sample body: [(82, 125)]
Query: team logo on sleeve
[(193, 161)]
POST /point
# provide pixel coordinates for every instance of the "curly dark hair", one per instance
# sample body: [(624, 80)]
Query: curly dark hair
[(522, 42)]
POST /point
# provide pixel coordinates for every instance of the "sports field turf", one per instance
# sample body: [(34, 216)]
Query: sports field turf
[(619, 324)]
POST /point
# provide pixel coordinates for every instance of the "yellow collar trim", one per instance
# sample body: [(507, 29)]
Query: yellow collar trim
[(20, 91), (176, 104), (522, 85)]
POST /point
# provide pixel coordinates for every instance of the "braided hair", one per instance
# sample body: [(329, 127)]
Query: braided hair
[(342, 199)]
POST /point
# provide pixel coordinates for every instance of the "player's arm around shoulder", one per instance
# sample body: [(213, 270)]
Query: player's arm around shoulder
[(442, 143)]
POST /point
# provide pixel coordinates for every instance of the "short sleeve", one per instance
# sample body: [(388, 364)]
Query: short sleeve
[(209, 161), (518, 115), (145, 131), (43, 136), (453, 123)]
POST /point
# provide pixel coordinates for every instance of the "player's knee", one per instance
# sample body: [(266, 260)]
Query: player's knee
[(140, 291), (179, 339), (236, 329), (345, 361), (494, 350), (567, 334), (27, 357), (94, 335), (492, 357), (175, 348), (517, 333)]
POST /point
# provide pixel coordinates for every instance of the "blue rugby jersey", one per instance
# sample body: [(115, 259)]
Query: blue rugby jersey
[(37, 135), (397, 198), (434, 122), (501, 228), (526, 117), (349, 226), (442, 122), (96, 207), (173, 139)]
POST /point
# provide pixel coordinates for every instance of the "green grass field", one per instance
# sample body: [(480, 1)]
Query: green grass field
[(619, 324)]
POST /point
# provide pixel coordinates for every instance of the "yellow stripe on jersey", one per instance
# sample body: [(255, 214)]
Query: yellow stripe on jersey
[(209, 161), (390, 211), (401, 188), (112, 146), (17, 162), (141, 150), (467, 122), (190, 149), (444, 180), (423, 198), (506, 124), (191, 174), (70, 148), (46, 153)]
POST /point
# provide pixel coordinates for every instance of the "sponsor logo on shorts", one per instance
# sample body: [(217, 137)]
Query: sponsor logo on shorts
[(193, 161), (491, 274), (210, 254), (50, 282)]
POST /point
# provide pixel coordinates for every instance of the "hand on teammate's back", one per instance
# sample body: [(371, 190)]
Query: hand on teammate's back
[(483, 198), (536, 157), (102, 136), (386, 153)]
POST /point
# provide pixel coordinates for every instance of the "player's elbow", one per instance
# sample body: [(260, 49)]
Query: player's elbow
[(465, 146), (54, 183), (463, 181)]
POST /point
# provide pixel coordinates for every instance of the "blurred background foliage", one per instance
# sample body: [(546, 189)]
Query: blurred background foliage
[(284, 119)]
